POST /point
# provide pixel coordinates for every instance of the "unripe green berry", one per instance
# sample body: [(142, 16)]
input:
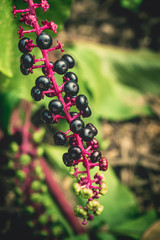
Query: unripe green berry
[(99, 210), (57, 231), (10, 164), (86, 193), (100, 174), (44, 233), (43, 219), (20, 175), (38, 135), (14, 147), (36, 185), (93, 205), (40, 152), (71, 171), (80, 212), (104, 188), (76, 188), (36, 197), (25, 159), (31, 224), (18, 191), (29, 209)]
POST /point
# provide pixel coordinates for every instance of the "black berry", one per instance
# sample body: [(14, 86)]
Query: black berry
[(36, 93), (95, 156), (67, 160), (71, 88), (27, 60), (81, 102), (75, 152), (60, 138), (87, 134), (76, 125), (44, 40), (93, 128), (46, 116), (45, 70), (72, 141), (56, 106), (43, 83), (72, 114), (72, 76), (69, 60), (22, 44), (61, 66), (87, 112), (24, 70)]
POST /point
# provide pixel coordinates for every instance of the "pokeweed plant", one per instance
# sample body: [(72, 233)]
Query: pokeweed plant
[(83, 150)]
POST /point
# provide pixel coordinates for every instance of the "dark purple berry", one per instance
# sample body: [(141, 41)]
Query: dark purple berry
[(67, 160), (46, 117), (69, 59), (81, 102), (95, 156), (72, 141), (27, 60), (43, 83), (60, 138), (24, 70), (61, 67), (36, 93), (72, 114), (93, 128), (55, 106), (87, 134), (44, 40), (72, 76), (45, 70), (76, 125), (87, 112), (71, 88), (75, 152), (22, 44)]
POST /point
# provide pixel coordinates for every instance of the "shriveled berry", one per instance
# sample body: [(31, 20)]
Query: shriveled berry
[(36, 93), (69, 59), (93, 128), (87, 112), (46, 116), (95, 156), (76, 125), (71, 76), (81, 102), (60, 138), (103, 164), (55, 106), (43, 83), (22, 44), (24, 70), (71, 88), (44, 40), (87, 134), (27, 60), (75, 152), (67, 160), (61, 67)]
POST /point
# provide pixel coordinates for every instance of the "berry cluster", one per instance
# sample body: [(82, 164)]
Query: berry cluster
[(84, 147)]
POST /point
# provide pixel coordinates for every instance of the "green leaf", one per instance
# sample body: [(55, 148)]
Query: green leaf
[(80, 237), (105, 236)]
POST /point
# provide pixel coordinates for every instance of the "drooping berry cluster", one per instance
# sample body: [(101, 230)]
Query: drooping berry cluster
[(64, 97)]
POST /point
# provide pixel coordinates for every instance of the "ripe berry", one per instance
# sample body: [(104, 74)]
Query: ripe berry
[(55, 106), (76, 125), (67, 160), (95, 156), (87, 112), (72, 76), (72, 114), (22, 44), (81, 102), (69, 59), (36, 93), (60, 138), (103, 164), (87, 134), (27, 60), (75, 152), (93, 128), (46, 116), (72, 141), (43, 83), (61, 66), (45, 70), (44, 40), (24, 71), (71, 88)]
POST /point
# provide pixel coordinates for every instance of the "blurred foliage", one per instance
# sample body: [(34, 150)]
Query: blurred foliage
[(132, 5)]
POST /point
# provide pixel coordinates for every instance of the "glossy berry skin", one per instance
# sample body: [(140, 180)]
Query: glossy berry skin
[(36, 93), (46, 117), (24, 70), (44, 40), (71, 88), (22, 44), (43, 83), (81, 102), (55, 106), (95, 156), (67, 160), (61, 67), (69, 59), (75, 152), (76, 125), (60, 138), (27, 60), (87, 134), (103, 164), (87, 112), (72, 76), (93, 128)]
